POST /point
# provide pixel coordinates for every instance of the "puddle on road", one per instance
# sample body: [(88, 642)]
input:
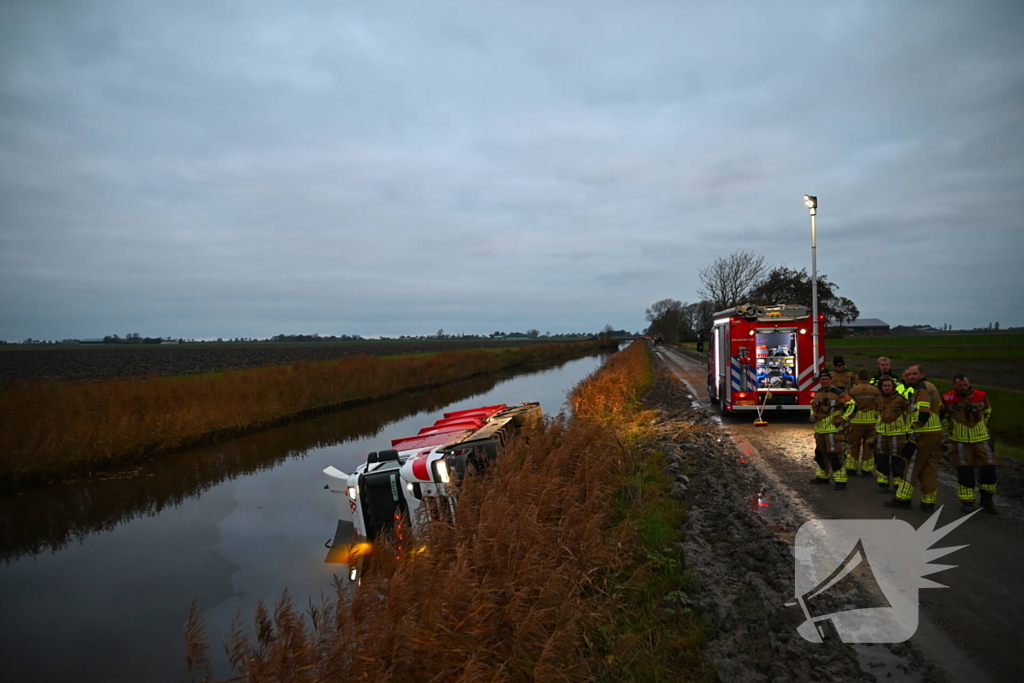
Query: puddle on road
[(773, 514)]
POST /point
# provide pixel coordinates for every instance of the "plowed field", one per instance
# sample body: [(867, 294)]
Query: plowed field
[(118, 361)]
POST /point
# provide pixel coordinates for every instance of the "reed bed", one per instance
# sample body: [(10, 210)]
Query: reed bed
[(561, 567), (51, 429)]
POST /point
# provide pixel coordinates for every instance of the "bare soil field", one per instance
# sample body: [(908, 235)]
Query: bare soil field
[(85, 363)]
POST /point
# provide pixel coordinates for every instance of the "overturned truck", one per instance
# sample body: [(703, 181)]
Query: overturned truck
[(416, 478)]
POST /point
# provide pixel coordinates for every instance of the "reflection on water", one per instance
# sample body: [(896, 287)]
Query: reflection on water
[(346, 549), (48, 519)]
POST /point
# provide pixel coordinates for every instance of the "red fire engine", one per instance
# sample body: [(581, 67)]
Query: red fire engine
[(764, 355)]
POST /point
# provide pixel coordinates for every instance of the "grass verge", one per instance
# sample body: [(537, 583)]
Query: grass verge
[(564, 565), (51, 429)]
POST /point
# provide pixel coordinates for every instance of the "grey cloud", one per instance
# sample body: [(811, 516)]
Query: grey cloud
[(212, 169)]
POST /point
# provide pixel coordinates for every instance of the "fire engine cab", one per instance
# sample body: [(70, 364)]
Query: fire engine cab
[(764, 355)]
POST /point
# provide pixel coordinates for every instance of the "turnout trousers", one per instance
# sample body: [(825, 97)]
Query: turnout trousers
[(861, 446), (965, 457), (827, 448), (923, 468), (889, 461)]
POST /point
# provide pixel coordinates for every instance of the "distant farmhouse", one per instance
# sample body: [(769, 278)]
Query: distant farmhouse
[(867, 327)]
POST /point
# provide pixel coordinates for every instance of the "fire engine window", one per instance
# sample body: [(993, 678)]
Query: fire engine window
[(776, 360)]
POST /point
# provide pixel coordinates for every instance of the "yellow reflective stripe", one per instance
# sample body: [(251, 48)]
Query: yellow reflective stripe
[(961, 432)]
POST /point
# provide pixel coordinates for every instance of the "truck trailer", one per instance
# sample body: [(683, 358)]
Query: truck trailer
[(764, 356)]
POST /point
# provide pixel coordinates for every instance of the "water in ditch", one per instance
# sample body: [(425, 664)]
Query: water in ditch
[(97, 575)]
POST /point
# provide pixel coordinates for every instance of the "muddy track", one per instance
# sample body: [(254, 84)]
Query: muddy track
[(967, 632)]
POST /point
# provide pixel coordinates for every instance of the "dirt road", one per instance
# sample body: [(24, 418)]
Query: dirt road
[(968, 631)]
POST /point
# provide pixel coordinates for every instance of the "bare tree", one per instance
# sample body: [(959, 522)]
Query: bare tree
[(697, 319), (666, 319), (728, 279)]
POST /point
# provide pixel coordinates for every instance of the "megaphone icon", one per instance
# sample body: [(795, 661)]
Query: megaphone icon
[(817, 603)]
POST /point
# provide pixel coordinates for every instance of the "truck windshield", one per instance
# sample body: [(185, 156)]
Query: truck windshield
[(383, 501)]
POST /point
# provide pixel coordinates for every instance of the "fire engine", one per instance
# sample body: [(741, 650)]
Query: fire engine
[(764, 356)]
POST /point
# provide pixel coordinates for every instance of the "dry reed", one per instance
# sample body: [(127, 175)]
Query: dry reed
[(539, 579), (51, 429)]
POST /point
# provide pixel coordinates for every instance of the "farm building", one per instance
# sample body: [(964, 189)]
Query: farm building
[(868, 327)]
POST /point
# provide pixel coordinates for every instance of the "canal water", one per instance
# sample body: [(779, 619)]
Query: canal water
[(97, 576)]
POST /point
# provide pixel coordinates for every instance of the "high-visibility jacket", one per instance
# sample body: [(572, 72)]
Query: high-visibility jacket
[(829, 405), (842, 380), (896, 378), (893, 415), (966, 416), (924, 408), (864, 395)]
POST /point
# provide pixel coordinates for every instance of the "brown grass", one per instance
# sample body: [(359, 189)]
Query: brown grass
[(543, 577), (51, 429)]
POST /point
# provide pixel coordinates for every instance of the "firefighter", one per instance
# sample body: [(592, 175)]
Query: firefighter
[(890, 434), (966, 413), (861, 439), (830, 412), (905, 388), (885, 369), (925, 444), (841, 377)]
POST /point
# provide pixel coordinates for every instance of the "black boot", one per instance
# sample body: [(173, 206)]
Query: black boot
[(927, 507), (818, 480), (987, 504), (967, 505), (840, 486), (897, 503), (865, 473), (883, 488)]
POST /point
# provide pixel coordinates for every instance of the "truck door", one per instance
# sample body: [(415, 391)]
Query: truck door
[(715, 373)]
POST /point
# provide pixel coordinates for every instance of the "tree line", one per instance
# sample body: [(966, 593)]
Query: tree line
[(740, 278)]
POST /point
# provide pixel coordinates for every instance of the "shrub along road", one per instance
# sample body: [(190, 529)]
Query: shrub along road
[(966, 630)]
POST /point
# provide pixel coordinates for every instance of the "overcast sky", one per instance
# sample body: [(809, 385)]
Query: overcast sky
[(251, 168)]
